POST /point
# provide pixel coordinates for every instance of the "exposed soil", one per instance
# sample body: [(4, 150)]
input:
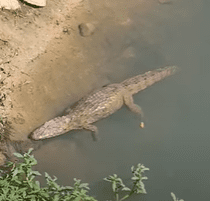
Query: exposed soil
[(31, 41)]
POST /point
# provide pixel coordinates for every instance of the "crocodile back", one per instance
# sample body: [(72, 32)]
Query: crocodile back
[(98, 105), (141, 82)]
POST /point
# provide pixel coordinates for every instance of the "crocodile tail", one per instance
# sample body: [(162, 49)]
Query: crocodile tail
[(140, 82)]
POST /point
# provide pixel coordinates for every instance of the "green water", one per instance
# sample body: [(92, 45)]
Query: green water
[(175, 141)]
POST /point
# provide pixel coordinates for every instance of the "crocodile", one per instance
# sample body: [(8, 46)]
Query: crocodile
[(101, 104)]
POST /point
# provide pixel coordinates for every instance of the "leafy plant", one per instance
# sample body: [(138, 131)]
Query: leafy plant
[(138, 185), (76, 193), (19, 184)]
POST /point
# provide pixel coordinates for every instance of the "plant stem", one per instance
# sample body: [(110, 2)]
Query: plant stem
[(132, 190), (117, 197), (125, 197)]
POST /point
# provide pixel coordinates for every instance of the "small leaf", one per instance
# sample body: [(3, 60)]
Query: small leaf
[(15, 172), (84, 185), (34, 162), (78, 199), (77, 180), (37, 183), (37, 173), (30, 150), (106, 179), (18, 155), (56, 198), (135, 178), (56, 185), (67, 188), (173, 196), (114, 186), (119, 180), (144, 178), (47, 175), (126, 189)]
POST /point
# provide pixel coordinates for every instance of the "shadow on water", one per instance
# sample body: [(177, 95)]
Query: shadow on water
[(175, 141)]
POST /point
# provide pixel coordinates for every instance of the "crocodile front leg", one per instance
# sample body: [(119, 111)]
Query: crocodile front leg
[(128, 99), (94, 131)]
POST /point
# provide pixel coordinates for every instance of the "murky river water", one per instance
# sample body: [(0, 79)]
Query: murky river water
[(175, 142)]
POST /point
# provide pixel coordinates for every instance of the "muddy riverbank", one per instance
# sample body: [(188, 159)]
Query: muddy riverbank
[(46, 63), (34, 45)]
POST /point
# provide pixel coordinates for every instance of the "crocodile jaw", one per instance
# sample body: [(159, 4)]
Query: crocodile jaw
[(53, 128)]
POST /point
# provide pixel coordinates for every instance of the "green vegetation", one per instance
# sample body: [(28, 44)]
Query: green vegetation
[(138, 185), (19, 184)]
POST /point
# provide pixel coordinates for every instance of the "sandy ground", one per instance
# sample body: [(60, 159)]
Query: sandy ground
[(29, 40)]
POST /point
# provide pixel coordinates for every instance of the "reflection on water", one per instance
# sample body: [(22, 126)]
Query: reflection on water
[(175, 141)]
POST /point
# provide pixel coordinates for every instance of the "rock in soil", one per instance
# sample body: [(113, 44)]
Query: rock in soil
[(86, 29)]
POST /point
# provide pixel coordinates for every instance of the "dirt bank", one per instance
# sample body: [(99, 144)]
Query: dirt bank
[(32, 41)]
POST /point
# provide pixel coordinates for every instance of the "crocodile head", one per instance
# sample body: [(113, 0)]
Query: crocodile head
[(55, 127)]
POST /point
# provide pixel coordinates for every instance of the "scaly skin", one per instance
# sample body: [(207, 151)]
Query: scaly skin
[(101, 104)]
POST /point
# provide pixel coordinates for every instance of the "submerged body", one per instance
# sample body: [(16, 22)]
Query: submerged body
[(101, 104)]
